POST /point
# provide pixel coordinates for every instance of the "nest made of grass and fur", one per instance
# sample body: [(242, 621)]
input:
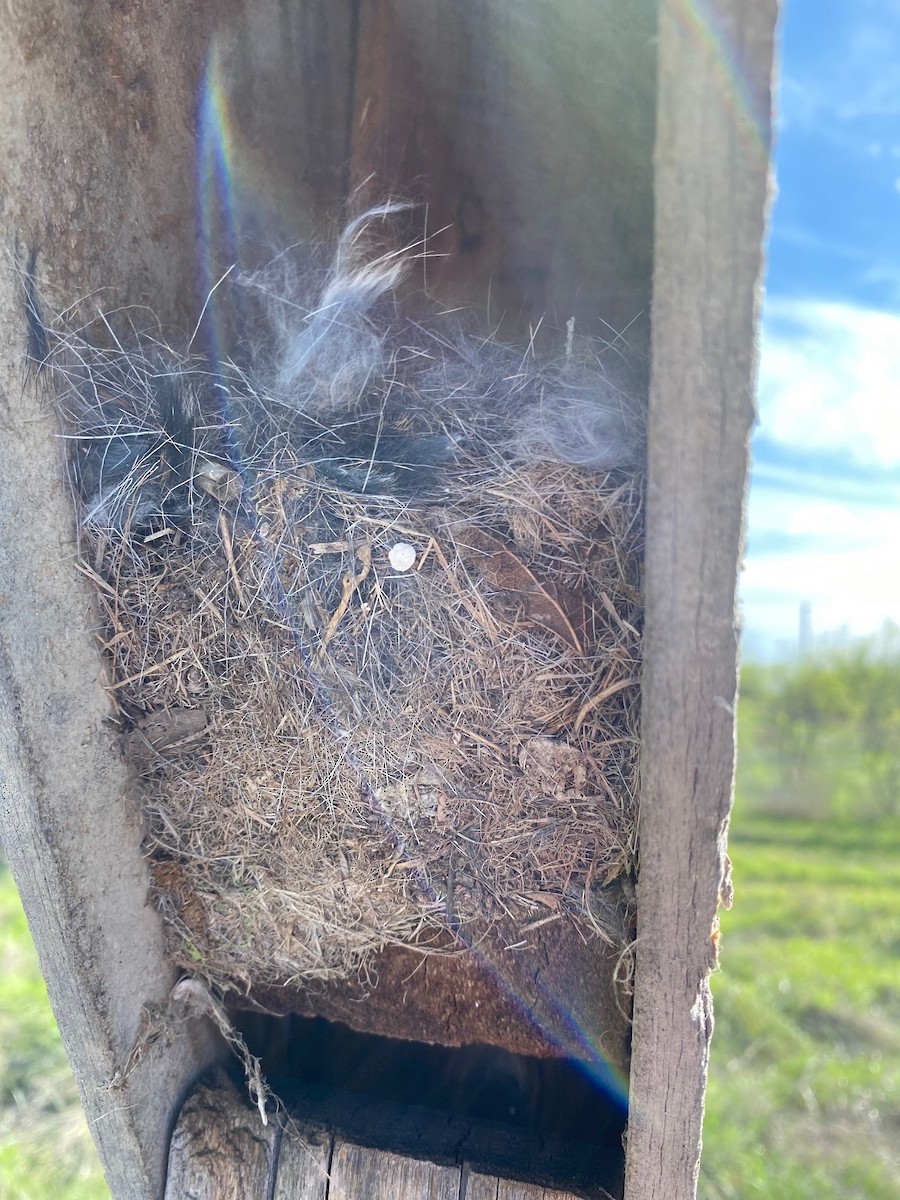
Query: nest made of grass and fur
[(370, 613)]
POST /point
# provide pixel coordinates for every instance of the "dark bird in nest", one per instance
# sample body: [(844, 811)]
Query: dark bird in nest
[(132, 469), (369, 457), (376, 403), (136, 479)]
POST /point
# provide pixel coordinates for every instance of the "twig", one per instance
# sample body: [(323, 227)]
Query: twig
[(350, 584), (229, 555)]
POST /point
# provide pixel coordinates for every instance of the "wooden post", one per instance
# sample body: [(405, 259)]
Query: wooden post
[(711, 192), (98, 122)]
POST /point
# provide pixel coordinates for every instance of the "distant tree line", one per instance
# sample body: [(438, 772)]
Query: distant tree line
[(821, 734)]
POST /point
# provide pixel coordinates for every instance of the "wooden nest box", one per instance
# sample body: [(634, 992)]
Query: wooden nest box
[(585, 174)]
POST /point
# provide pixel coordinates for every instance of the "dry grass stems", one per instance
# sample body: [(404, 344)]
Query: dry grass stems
[(370, 611)]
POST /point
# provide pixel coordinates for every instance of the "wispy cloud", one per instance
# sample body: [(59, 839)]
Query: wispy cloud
[(884, 274), (823, 525), (824, 519), (830, 380), (823, 475), (796, 235)]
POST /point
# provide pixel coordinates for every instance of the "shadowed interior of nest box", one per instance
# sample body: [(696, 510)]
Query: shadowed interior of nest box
[(541, 1120), (366, 542)]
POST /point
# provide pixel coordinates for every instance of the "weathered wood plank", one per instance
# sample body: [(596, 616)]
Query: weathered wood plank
[(711, 191), (488, 1187), (97, 153), (220, 1149), (508, 1189), (374, 1175), (479, 1187), (98, 128), (303, 1164), (527, 129)]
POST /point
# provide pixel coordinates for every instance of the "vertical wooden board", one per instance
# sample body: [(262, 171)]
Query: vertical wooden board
[(283, 77), (479, 1187), (358, 1173), (488, 1187), (303, 1164), (509, 1189), (96, 119), (711, 192), (220, 1149), (99, 144), (528, 130)]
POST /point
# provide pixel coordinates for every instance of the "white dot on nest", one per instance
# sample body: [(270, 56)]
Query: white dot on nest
[(401, 556)]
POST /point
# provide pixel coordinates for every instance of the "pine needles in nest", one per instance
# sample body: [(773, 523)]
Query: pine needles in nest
[(370, 613)]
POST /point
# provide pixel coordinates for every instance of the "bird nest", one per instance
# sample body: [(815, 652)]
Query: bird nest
[(370, 609)]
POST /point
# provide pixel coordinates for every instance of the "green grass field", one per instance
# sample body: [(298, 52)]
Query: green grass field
[(46, 1152), (804, 1093)]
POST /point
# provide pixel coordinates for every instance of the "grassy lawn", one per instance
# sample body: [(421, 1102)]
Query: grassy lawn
[(46, 1152), (804, 1095)]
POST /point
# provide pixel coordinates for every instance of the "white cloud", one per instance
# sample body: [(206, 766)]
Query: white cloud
[(845, 565), (851, 587), (824, 517), (830, 380), (808, 517)]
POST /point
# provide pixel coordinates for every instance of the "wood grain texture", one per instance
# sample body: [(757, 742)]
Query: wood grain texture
[(358, 1173), (508, 1189), (98, 127), (96, 147), (575, 981), (479, 1187), (488, 1187), (220, 1150), (304, 1160), (711, 196), (527, 130)]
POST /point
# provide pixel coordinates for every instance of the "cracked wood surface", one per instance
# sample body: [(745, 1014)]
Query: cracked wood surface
[(220, 1150), (711, 196)]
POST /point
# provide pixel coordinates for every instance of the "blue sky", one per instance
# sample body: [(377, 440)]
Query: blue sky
[(824, 520)]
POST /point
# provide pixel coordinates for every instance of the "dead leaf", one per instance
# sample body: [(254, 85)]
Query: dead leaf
[(547, 604), (548, 899), (167, 732)]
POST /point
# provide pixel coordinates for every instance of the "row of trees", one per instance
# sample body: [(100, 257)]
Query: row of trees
[(821, 734)]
